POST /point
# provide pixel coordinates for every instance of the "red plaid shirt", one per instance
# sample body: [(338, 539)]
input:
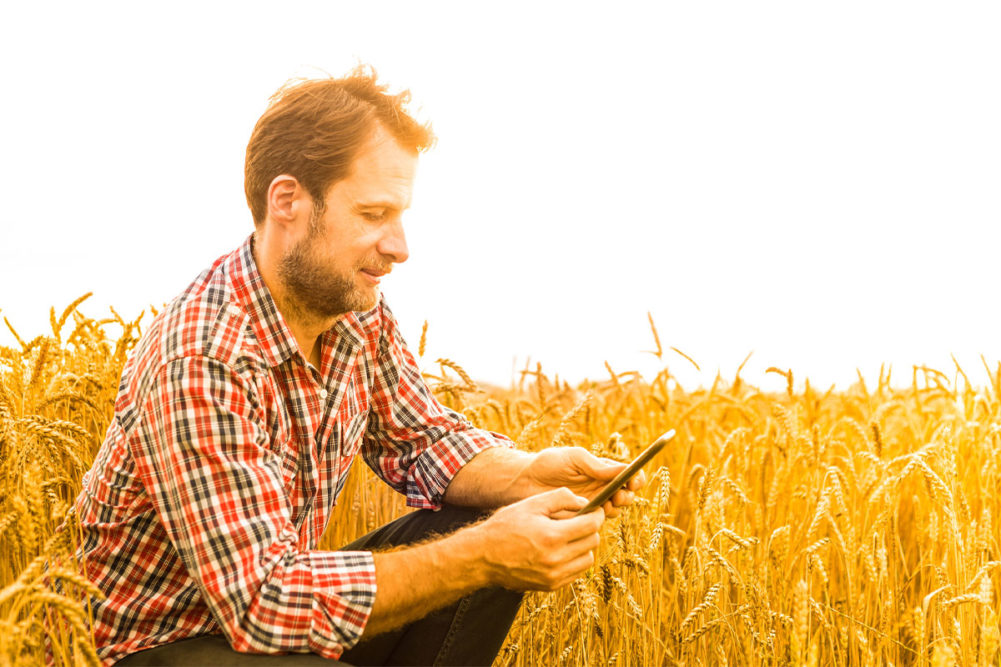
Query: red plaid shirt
[(203, 508)]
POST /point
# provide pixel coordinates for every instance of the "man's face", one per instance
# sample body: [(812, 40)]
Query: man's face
[(356, 237)]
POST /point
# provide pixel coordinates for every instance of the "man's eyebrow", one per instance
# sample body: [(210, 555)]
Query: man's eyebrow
[(381, 203)]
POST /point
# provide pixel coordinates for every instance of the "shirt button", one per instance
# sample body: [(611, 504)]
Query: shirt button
[(323, 393)]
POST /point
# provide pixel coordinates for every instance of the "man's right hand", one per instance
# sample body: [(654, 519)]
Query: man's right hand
[(538, 543), (532, 545)]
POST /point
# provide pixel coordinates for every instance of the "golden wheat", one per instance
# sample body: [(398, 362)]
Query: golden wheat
[(805, 528)]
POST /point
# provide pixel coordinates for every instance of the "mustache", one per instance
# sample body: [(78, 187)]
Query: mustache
[(378, 266)]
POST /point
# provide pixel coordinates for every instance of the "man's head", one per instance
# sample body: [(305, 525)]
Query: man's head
[(330, 170), (352, 237), (312, 130)]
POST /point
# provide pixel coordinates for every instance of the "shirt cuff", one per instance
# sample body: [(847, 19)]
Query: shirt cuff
[(344, 592), (436, 467)]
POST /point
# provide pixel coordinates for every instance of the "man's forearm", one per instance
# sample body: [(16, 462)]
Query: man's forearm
[(413, 582), (526, 545), (493, 478)]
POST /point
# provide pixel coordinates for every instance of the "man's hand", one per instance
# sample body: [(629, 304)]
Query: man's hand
[(583, 473), (502, 475), (523, 546), (528, 546)]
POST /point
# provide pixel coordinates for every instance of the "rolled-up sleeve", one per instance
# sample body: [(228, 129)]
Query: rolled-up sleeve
[(203, 454), (412, 441)]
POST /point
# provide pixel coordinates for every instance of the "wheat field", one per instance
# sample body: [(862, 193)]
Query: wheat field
[(807, 527)]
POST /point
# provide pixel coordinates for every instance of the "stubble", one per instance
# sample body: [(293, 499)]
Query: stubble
[(313, 291)]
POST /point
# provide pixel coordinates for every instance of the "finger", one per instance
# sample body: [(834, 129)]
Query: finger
[(622, 498), (587, 543), (579, 526), (562, 561), (611, 511), (563, 514), (637, 482), (574, 550), (594, 467), (569, 514), (559, 500), (574, 568)]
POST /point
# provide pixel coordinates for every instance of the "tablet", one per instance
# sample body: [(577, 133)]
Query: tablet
[(626, 474)]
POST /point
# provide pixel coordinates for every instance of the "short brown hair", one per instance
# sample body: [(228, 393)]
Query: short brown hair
[(313, 128)]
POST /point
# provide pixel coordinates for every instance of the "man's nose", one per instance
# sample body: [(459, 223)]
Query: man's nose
[(394, 244)]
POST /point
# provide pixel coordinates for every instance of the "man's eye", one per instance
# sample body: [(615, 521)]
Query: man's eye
[(373, 216)]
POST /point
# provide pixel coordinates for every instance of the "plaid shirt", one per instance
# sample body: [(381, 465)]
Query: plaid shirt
[(203, 508)]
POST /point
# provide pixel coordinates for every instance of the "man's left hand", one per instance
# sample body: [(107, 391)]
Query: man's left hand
[(584, 474)]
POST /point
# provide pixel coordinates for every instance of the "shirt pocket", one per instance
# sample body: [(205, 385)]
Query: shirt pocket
[(352, 419), (352, 432)]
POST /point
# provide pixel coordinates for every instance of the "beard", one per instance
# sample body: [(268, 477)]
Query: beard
[(313, 288)]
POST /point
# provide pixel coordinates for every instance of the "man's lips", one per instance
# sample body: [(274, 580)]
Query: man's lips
[(374, 275)]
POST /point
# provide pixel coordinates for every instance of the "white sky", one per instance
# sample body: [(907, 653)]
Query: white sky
[(816, 183)]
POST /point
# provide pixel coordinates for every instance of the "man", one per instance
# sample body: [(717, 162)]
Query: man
[(244, 405)]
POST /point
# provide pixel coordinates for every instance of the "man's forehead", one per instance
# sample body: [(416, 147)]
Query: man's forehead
[(382, 176)]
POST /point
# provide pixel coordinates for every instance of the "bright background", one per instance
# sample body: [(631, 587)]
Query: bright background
[(816, 182)]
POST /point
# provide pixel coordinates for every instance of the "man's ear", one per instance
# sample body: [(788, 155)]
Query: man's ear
[(286, 199)]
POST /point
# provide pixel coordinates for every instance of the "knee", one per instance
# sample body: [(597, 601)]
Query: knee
[(451, 518)]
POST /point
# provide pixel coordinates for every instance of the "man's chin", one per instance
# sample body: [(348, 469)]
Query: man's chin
[(332, 308), (365, 300), (370, 303)]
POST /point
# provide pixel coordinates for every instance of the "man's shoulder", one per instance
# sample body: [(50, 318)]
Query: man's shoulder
[(206, 321)]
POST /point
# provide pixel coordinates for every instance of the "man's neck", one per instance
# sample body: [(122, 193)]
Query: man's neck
[(305, 328)]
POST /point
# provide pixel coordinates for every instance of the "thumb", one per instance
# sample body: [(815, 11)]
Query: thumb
[(559, 500), (596, 468)]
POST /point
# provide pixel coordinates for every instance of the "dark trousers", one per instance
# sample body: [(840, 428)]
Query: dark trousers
[(468, 632)]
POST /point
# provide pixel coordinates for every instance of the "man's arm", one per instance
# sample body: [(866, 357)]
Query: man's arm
[(501, 475), (434, 455), (524, 546), (413, 442)]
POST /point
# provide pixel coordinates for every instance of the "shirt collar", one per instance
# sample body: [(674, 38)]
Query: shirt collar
[(269, 326), (348, 327)]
